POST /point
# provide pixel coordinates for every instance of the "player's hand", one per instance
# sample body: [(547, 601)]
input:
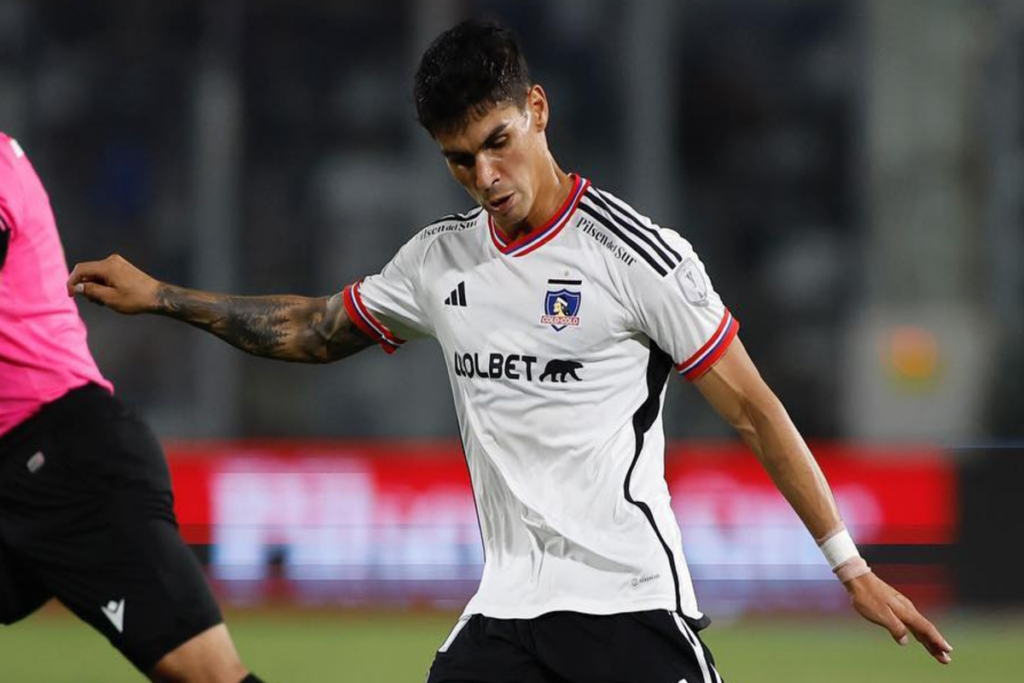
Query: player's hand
[(882, 604), (115, 283)]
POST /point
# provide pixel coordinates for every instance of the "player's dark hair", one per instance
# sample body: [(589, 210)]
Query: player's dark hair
[(468, 69)]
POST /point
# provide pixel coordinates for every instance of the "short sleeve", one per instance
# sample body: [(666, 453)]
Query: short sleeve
[(681, 312), (386, 306)]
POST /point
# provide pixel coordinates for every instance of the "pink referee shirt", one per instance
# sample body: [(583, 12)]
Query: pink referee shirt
[(43, 352)]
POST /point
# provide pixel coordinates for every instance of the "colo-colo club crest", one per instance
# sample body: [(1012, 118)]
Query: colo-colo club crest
[(562, 305)]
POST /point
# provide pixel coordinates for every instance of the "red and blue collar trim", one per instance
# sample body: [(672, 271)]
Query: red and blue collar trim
[(538, 237)]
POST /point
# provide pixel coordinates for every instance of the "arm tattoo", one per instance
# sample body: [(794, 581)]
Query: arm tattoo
[(286, 327), (340, 336)]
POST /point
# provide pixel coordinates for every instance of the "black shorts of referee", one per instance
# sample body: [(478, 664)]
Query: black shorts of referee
[(86, 516), (655, 646)]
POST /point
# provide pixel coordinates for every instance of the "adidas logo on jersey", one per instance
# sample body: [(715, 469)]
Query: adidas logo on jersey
[(457, 297)]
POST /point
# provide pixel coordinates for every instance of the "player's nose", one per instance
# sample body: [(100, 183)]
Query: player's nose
[(486, 174)]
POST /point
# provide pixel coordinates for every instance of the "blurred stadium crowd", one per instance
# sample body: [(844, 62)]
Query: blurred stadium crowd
[(851, 173)]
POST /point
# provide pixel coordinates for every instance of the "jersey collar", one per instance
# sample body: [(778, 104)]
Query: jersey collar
[(540, 236)]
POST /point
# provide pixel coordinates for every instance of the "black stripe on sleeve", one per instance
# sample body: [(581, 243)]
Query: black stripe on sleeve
[(600, 218), (636, 232), (631, 214), (659, 365), (5, 238)]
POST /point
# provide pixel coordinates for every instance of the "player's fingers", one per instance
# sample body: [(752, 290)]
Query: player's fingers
[(83, 270), (926, 632), (928, 635), (95, 292), (897, 629), (72, 285), (87, 271)]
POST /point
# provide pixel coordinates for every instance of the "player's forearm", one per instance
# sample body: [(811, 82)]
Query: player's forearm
[(775, 440), (283, 327)]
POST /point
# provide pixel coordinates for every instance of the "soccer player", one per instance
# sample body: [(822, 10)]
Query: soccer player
[(561, 312), (86, 509)]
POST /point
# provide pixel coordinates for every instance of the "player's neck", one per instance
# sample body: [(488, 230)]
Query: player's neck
[(551, 195)]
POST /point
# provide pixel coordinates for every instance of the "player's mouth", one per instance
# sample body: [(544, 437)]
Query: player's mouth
[(502, 205)]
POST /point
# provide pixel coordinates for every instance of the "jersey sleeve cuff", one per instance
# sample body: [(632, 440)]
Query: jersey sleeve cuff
[(712, 351), (366, 322)]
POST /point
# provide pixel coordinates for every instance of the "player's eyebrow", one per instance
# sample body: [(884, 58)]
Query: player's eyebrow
[(495, 133)]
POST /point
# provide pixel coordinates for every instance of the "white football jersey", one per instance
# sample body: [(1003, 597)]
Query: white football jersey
[(558, 346)]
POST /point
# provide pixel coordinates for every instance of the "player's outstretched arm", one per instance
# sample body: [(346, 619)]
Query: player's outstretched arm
[(286, 327), (735, 389)]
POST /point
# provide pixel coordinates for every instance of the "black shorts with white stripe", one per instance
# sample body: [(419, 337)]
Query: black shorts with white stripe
[(655, 646)]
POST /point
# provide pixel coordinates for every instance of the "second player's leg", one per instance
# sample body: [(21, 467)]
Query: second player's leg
[(207, 657), (164, 619), (96, 524), (130, 575)]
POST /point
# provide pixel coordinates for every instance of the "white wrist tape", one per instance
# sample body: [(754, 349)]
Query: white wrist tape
[(851, 569), (838, 548), (842, 555)]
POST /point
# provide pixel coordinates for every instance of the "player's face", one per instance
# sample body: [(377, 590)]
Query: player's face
[(501, 157)]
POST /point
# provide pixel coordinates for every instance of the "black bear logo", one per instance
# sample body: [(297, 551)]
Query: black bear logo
[(560, 370)]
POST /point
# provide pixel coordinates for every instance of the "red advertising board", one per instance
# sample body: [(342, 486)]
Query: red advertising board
[(379, 520)]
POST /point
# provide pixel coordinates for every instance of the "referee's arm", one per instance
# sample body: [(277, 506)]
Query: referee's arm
[(735, 389), (286, 327)]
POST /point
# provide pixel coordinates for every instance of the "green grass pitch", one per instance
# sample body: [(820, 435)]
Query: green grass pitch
[(296, 646)]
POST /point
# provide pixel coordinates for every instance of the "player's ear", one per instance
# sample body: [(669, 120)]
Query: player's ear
[(537, 104)]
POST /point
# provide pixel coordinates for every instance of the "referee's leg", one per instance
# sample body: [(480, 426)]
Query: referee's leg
[(209, 656), (178, 634), (88, 512), (146, 592)]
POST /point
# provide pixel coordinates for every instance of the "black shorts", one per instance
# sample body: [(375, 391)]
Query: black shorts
[(657, 646), (86, 516)]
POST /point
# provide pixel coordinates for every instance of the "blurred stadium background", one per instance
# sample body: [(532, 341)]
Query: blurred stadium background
[(851, 171)]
